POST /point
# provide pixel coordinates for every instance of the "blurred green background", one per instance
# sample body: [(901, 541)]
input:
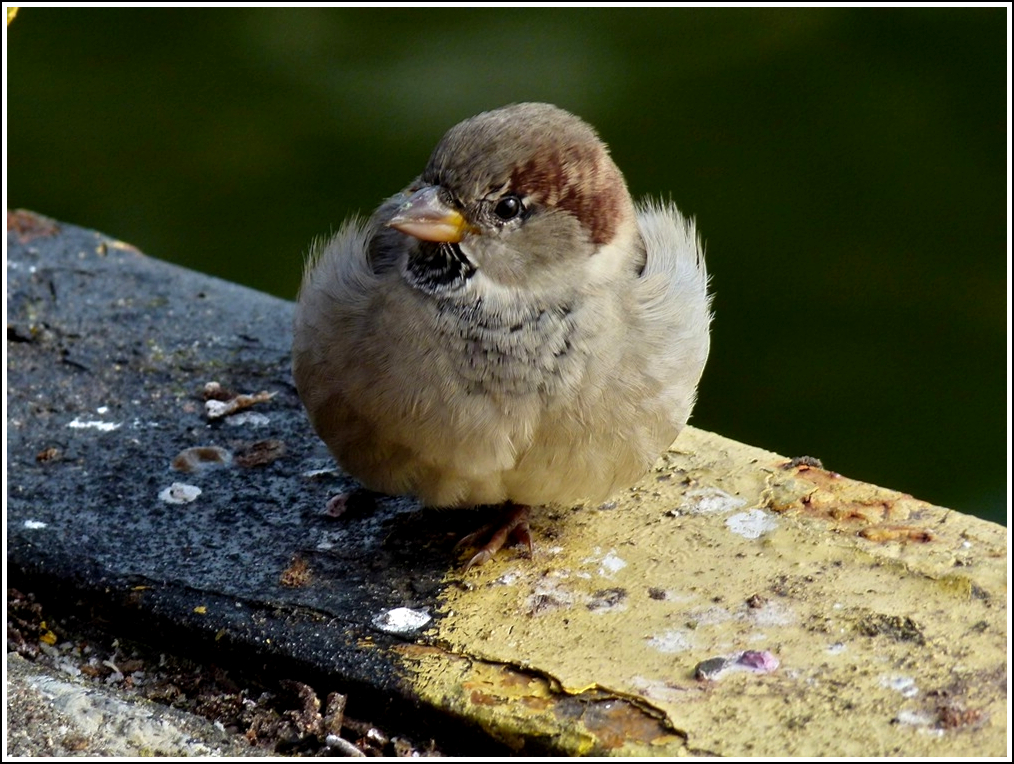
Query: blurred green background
[(847, 168)]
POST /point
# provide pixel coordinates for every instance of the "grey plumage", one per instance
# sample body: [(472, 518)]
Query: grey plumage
[(548, 356)]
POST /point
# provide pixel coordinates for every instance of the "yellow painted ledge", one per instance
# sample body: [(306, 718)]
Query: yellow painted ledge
[(850, 620)]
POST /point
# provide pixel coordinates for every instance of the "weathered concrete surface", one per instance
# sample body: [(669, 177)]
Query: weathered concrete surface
[(733, 602), (59, 716), (846, 620)]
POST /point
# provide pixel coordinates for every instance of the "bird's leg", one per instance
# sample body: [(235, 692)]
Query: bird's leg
[(512, 525)]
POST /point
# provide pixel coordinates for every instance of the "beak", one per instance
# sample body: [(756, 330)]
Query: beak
[(426, 217)]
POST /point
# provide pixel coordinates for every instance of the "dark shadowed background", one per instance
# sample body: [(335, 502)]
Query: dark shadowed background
[(847, 168)]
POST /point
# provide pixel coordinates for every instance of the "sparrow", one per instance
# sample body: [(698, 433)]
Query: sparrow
[(510, 329)]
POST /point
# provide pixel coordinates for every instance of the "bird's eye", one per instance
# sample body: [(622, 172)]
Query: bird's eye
[(508, 208)]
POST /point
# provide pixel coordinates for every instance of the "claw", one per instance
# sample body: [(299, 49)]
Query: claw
[(512, 526)]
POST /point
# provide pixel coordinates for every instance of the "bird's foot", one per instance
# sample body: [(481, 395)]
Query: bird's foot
[(512, 526)]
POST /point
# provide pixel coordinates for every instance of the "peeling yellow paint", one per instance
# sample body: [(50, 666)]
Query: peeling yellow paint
[(532, 713), (892, 644)]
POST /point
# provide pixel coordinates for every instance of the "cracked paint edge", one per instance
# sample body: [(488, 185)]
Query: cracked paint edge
[(524, 707)]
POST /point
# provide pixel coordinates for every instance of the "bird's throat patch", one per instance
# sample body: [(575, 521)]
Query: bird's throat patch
[(438, 267)]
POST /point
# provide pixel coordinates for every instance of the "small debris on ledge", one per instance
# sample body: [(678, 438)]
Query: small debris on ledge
[(220, 403)]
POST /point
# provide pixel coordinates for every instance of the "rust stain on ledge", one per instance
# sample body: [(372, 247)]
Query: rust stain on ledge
[(30, 225), (808, 489)]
